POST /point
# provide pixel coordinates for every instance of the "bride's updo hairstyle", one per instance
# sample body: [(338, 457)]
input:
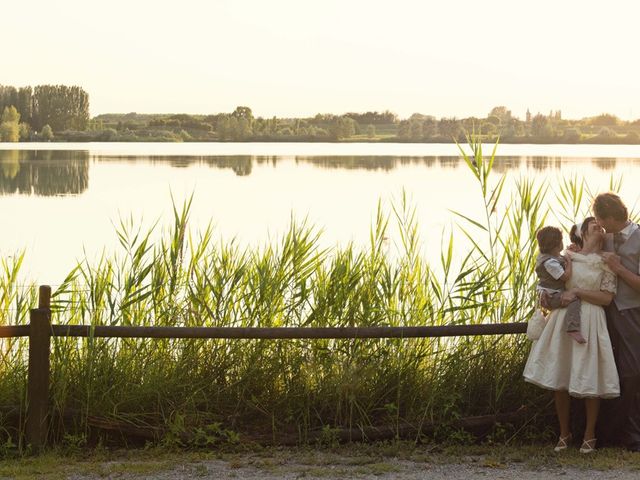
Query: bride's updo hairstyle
[(576, 235)]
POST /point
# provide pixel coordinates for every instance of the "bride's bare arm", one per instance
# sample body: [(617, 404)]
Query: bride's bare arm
[(595, 297)]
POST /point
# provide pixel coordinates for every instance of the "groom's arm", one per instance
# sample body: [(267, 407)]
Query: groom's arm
[(630, 278)]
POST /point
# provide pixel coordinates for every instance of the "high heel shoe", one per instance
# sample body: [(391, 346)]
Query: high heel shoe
[(588, 446), (563, 443)]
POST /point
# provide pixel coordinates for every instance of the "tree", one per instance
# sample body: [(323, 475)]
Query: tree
[(243, 112), (449, 128), (540, 126), (46, 134), (371, 131), (25, 131), (243, 129), (25, 103), (9, 132), (415, 129), (494, 120), (605, 120), (9, 128), (429, 127), (10, 114), (343, 127), (61, 107), (501, 113)]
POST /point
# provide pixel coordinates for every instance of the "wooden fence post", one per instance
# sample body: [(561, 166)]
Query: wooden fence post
[(38, 380)]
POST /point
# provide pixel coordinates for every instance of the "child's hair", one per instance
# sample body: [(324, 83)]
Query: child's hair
[(548, 239), (575, 236)]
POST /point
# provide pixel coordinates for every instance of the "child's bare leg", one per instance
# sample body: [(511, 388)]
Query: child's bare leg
[(577, 336)]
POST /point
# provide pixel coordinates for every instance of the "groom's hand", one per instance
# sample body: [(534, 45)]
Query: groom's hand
[(613, 261)]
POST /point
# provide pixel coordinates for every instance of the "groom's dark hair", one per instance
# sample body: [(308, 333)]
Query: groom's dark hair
[(548, 239), (609, 205)]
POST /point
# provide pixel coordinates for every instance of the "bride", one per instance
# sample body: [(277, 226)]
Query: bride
[(558, 363)]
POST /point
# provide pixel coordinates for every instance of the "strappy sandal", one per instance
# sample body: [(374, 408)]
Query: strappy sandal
[(563, 443), (588, 446)]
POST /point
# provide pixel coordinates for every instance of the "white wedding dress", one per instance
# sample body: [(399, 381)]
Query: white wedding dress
[(557, 362)]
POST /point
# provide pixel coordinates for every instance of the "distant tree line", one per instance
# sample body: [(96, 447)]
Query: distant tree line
[(242, 125), (57, 107), (62, 112)]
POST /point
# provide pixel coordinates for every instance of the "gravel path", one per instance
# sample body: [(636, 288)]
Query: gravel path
[(399, 470), (249, 467)]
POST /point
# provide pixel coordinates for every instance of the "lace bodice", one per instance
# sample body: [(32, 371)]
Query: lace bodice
[(591, 273)]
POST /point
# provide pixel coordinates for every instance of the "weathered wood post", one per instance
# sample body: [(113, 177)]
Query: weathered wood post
[(38, 380)]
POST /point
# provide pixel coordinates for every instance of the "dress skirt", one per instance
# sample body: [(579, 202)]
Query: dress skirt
[(558, 362)]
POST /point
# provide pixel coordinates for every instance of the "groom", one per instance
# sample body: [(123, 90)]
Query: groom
[(622, 245)]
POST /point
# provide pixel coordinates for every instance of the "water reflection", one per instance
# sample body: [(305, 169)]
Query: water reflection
[(243, 165), (605, 163), (66, 172), (44, 172)]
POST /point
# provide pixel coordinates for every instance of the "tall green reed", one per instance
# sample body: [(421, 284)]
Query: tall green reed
[(187, 278)]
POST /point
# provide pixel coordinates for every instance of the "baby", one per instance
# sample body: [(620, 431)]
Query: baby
[(553, 270)]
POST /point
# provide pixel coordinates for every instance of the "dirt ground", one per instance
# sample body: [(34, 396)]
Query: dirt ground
[(393, 469), (381, 462)]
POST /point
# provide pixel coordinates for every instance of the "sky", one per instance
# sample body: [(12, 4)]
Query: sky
[(293, 58)]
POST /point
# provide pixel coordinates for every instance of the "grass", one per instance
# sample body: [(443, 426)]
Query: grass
[(207, 393)]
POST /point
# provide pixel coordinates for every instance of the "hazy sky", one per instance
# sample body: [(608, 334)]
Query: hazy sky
[(297, 57)]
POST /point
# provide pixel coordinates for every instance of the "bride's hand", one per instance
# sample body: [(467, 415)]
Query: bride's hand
[(567, 297), (573, 247)]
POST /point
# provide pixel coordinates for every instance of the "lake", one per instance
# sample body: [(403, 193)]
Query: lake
[(60, 201)]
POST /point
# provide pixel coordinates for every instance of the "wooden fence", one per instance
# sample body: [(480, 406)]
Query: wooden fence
[(40, 330)]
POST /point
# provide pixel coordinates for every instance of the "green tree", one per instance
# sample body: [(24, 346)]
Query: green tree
[(9, 125), (10, 114), (605, 119), (243, 112), (243, 129), (449, 128), (540, 126), (501, 112), (415, 129), (429, 127), (9, 132), (25, 103), (494, 120), (60, 106), (46, 134), (24, 131), (371, 131), (343, 127)]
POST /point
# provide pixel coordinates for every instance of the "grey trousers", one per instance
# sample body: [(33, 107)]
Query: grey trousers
[(620, 418), (572, 317)]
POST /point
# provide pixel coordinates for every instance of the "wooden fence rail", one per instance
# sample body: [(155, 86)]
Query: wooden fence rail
[(40, 330)]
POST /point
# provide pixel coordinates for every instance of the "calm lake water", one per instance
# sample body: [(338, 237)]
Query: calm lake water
[(58, 201)]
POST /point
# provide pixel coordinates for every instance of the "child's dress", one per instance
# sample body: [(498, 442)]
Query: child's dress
[(557, 362)]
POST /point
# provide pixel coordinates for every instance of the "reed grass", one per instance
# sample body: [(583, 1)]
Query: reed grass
[(221, 388)]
